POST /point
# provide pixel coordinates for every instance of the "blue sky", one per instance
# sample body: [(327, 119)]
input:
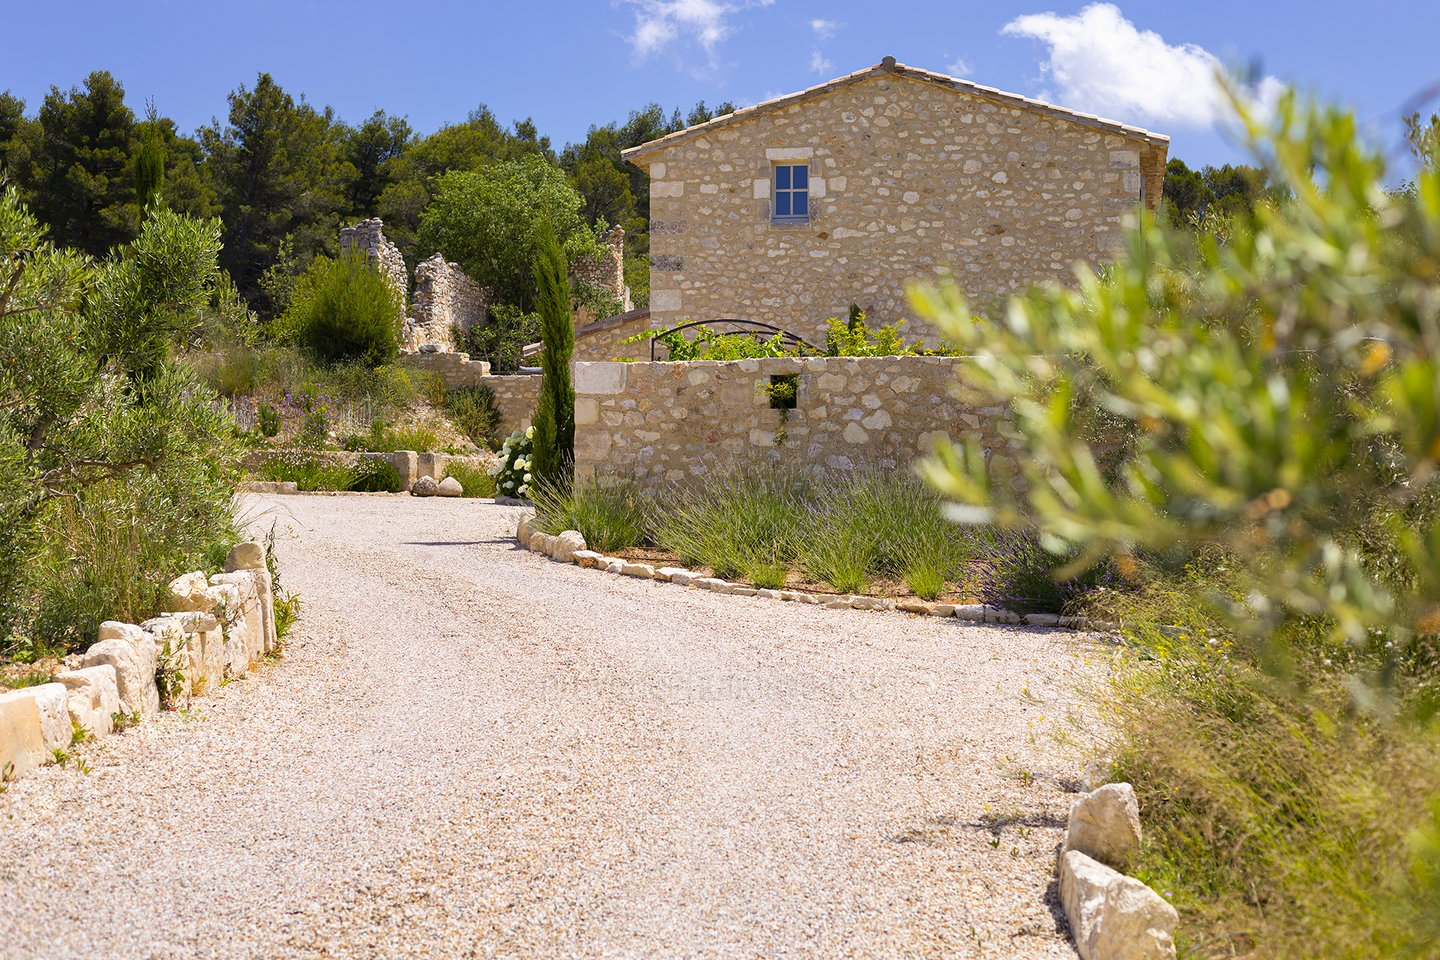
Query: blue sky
[(572, 64)]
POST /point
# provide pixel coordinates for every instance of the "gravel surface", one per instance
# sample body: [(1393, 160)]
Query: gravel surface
[(471, 751)]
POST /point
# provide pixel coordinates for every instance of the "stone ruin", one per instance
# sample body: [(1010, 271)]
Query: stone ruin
[(607, 272), (446, 299)]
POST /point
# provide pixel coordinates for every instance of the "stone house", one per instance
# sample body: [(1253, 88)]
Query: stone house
[(789, 211)]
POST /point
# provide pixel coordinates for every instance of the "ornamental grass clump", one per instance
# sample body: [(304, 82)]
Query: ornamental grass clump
[(609, 512), (874, 524), (746, 524)]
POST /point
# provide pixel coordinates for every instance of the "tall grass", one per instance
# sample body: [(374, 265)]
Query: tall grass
[(610, 513), (1279, 820), (111, 553), (746, 524), (871, 524)]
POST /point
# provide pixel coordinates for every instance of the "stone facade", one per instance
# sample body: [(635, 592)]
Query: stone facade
[(368, 236), (663, 422), (909, 172), (445, 299)]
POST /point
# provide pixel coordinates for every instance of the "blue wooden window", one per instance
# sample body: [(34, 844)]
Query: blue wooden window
[(792, 191)]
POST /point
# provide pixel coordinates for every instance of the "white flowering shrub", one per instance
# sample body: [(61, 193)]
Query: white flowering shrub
[(512, 473)]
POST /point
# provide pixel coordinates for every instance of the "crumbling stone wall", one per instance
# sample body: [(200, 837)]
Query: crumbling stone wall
[(605, 272), (662, 422), (368, 237), (907, 175), (445, 298), (515, 398)]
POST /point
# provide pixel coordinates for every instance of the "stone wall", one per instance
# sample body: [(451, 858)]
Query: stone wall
[(909, 172), (515, 397), (219, 627), (368, 236), (606, 272), (604, 339), (667, 421), (445, 298), (457, 368)]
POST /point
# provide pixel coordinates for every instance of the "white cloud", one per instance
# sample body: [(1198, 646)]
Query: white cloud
[(959, 67), (824, 29), (1102, 63), (820, 64), (660, 24)]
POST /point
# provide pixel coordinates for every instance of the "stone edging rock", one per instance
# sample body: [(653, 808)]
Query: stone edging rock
[(569, 547), (1111, 914), (220, 627)]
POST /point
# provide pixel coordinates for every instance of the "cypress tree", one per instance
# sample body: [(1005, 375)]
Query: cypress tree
[(554, 451)]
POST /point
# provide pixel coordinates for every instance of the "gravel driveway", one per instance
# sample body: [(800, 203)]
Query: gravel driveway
[(471, 751)]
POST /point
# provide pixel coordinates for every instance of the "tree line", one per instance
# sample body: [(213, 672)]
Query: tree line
[(283, 175)]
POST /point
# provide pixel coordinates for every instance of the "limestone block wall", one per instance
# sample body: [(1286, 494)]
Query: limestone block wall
[(457, 368), (663, 422), (368, 236), (445, 298), (515, 397), (907, 176)]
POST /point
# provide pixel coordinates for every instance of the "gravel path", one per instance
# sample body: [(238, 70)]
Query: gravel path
[(471, 751)]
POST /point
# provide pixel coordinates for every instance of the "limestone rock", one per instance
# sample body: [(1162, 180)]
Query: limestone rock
[(744, 591), (523, 531), (642, 571), (713, 584), (1042, 619), (189, 592), (92, 696), (22, 741), (942, 610), (424, 487), (450, 487), (970, 611), (1105, 826), (913, 606), (677, 575), (55, 727), (245, 556), (563, 547), (134, 666), (587, 558), (540, 542), (1112, 916)]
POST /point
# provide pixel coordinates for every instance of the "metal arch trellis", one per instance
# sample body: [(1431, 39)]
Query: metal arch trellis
[(755, 328)]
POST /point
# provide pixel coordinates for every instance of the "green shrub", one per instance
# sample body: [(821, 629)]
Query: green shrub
[(871, 524), (345, 310), (371, 475), (503, 340), (609, 512), (1022, 575), (476, 482), (267, 420), (473, 411), (387, 439), (307, 471)]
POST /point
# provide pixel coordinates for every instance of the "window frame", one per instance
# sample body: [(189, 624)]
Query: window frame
[(789, 191)]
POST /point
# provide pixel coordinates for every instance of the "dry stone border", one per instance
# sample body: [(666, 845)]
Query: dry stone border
[(219, 628), (1112, 916), (570, 547)]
